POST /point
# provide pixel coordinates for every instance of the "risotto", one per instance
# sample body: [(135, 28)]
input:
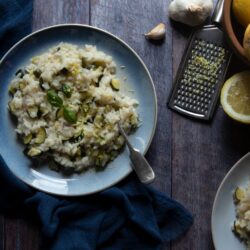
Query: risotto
[(68, 102), (242, 222)]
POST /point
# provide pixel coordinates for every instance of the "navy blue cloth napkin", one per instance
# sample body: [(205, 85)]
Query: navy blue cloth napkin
[(15, 22), (129, 215)]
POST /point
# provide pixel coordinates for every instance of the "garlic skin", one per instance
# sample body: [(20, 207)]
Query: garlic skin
[(190, 12), (157, 33)]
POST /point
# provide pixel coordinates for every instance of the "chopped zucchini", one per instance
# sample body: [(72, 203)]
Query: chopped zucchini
[(44, 110), (115, 84), (113, 155), (78, 133), (27, 139), (12, 89), (20, 73), (237, 229), (41, 135), (32, 111), (99, 63), (85, 107), (34, 152), (84, 63), (76, 138), (64, 71), (41, 82), (11, 106), (22, 85), (239, 194), (39, 113), (53, 166), (59, 113), (78, 152), (37, 73), (99, 79), (98, 119)]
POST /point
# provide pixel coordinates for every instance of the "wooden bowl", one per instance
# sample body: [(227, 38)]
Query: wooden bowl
[(234, 31)]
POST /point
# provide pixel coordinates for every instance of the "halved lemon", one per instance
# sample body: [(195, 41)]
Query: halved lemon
[(246, 42), (241, 10), (235, 97)]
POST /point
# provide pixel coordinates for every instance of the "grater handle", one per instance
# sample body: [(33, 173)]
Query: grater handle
[(218, 13)]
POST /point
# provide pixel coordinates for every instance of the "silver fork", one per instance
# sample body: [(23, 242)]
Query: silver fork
[(142, 168)]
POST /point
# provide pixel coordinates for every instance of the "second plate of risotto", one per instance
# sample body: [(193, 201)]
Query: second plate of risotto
[(64, 89), (231, 210)]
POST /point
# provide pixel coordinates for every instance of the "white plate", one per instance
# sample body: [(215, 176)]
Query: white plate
[(138, 80), (223, 214)]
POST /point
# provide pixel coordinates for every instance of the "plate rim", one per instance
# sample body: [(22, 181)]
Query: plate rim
[(229, 173), (150, 80)]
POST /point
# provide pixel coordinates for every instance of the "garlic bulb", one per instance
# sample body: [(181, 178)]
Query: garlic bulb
[(190, 12), (157, 33)]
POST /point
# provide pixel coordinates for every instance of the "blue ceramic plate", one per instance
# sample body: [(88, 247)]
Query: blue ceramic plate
[(223, 214), (138, 80)]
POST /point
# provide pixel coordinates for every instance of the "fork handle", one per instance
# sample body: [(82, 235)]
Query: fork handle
[(141, 166)]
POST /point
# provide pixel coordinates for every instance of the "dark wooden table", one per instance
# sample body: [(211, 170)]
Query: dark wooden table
[(190, 158)]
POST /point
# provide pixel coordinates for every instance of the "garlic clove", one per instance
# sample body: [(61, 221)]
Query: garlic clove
[(157, 33)]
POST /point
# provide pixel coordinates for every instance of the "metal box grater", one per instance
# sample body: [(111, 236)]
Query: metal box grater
[(202, 72)]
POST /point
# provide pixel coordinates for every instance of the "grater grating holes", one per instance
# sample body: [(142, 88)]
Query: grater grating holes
[(199, 79)]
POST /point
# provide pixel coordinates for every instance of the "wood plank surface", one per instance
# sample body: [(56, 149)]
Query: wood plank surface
[(47, 13), (190, 158)]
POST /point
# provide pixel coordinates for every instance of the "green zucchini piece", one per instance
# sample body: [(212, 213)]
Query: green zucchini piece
[(41, 82), (78, 133), (84, 63), (53, 166), (237, 229), (41, 135), (12, 89), (11, 106), (64, 71), (37, 73), (32, 111), (115, 84), (27, 139), (78, 152), (20, 73), (44, 110), (22, 85), (85, 107), (76, 138), (99, 63), (59, 113), (34, 152), (239, 194)]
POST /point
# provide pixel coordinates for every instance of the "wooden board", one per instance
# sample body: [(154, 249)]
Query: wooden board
[(190, 158)]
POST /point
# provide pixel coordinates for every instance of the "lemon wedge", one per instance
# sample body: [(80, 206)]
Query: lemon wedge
[(241, 10), (235, 97)]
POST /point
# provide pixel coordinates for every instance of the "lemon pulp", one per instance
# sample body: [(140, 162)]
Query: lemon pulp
[(235, 97)]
